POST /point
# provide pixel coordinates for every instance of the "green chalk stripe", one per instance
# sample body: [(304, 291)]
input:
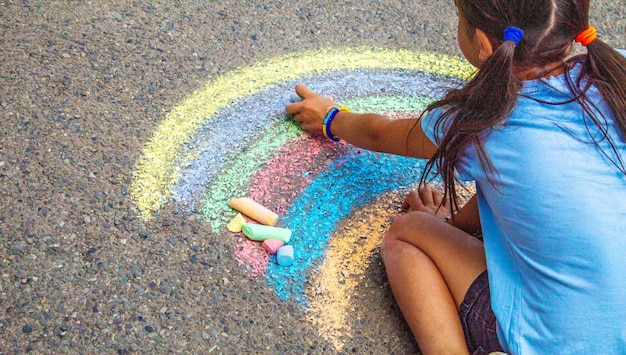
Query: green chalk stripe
[(234, 179), (260, 232)]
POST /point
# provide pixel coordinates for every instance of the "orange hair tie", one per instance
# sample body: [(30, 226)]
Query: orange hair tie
[(587, 36)]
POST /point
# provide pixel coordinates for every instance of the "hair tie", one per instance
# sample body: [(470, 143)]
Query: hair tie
[(514, 34), (587, 36)]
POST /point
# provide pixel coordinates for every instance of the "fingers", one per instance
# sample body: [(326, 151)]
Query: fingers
[(425, 199), (406, 204), (413, 201), (293, 109), (437, 197), (426, 194), (304, 92)]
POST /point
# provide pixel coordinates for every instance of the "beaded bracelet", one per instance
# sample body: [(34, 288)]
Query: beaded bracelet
[(330, 115)]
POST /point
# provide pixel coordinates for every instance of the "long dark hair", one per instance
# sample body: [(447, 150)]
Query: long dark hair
[(489, 97)]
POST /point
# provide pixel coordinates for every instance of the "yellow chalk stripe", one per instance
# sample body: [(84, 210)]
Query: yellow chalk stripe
[(348, 255), (155, 173)]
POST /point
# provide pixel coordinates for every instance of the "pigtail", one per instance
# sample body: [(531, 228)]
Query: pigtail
[(607, 69), (485, 100), (603, 65)]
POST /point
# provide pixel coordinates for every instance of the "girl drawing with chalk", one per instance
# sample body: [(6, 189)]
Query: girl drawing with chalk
[(542, 135)]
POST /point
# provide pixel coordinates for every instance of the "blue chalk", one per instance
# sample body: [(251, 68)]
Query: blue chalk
[(284, 255), (295, 98)]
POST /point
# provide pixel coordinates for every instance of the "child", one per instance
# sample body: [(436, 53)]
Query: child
[(543, 137)]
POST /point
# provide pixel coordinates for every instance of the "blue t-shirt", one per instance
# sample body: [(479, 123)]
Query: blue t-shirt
[(555, 229)]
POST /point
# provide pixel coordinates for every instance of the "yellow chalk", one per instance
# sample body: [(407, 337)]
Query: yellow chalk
[(254, 210), (235, 224)]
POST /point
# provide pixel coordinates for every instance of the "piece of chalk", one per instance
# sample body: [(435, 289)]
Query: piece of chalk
[(272, 245), (295, 98), (259, 232), (284, 255), (254, 210), (235, 224)]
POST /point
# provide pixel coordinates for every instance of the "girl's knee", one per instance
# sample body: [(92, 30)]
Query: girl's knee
[(409, 225), (405, 232), (390, 246)]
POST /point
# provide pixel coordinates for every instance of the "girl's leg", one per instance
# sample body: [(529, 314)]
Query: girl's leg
[(430, 266)]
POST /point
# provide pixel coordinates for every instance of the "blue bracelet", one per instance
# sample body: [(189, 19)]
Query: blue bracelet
[(326, 125), (329, 119)]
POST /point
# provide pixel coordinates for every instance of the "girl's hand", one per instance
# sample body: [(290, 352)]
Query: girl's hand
[(427, 200), (311, 111)]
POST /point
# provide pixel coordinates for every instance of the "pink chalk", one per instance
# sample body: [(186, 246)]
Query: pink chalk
[(272, 245)]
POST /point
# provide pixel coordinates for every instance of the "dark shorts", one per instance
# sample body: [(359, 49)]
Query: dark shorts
[(477, 318)]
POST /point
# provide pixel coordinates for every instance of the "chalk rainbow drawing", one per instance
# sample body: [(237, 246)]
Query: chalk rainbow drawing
[(232, 139)]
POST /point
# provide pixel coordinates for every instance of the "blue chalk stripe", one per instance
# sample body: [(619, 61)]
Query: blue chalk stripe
[(347, 185)]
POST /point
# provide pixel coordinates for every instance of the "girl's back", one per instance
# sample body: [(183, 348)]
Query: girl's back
[(554, 223)]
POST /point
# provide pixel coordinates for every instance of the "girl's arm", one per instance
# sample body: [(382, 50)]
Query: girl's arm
[(467, 217), (367, 131)]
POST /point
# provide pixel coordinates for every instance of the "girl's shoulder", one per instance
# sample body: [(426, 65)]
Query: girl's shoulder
[(555, 85)]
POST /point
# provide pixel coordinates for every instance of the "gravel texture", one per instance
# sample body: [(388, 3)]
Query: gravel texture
[(83, 84)]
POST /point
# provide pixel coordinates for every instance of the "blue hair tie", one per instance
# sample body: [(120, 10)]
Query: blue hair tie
[(513, 34)]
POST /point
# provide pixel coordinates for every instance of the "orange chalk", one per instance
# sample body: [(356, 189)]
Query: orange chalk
[(254, 210)]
